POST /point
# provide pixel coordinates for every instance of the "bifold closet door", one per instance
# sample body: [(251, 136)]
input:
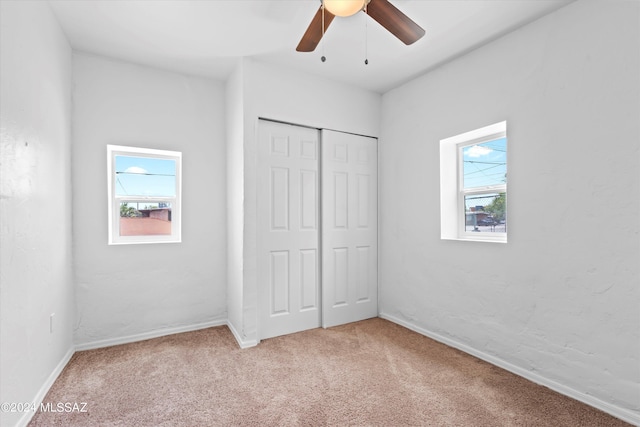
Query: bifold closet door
[(349, 228), (288, 258)]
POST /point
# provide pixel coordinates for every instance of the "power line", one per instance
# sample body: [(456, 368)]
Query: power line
[(146, 174), (481, 170), (122, 186), (484, 163)]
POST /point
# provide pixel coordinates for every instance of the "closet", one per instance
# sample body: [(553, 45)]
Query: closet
[(316, 228)]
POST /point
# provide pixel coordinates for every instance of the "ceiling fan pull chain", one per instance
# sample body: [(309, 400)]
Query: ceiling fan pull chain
[(323, 58), (366, 36)]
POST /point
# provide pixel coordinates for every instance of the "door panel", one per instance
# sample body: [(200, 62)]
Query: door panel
[(349, 228), (309, 200), (341, 200), (363, 258), (309, 279), (279, 283), (288, 220), (279, 199), (340, 282)]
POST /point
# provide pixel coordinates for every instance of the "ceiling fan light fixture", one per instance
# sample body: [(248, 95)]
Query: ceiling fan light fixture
[(344, 8), (381, 11)]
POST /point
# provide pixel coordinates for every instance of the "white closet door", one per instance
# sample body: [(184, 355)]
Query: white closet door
[(349, 228), (288, 259)]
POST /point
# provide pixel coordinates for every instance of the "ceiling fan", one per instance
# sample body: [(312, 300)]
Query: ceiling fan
[(386, 14)]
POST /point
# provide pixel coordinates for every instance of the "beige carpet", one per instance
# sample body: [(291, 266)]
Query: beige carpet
[(370, 373)]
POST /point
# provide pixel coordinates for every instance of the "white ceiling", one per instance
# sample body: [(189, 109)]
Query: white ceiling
[(206, 37)]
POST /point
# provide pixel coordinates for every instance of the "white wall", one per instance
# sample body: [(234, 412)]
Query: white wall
[(304, 99), (285, 95), (235, 196), (141, 290), (558, 303), (35, 203)]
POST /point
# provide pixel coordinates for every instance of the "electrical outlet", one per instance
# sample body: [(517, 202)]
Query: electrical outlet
[(51, 323)]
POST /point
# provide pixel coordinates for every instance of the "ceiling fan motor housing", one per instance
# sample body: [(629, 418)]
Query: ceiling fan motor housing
[(344, 8)]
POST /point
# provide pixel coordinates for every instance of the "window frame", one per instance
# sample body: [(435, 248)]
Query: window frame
[(452, 191), (114, 201)]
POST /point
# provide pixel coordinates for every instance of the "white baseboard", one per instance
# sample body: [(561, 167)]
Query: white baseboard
[(148, 335), (614, 410), (241, 342), (37, 400)]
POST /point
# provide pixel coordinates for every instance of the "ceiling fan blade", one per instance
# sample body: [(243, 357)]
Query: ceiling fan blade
[(314, 32), (396, 22)]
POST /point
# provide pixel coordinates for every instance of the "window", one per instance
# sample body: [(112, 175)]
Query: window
[(144, 195), (473, 185)]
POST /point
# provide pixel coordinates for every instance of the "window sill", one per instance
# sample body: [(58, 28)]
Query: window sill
[(141, 242), (476, 239)]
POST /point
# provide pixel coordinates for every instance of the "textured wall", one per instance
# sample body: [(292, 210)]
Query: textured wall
[(129, 290), (561, 299), (35, 202)]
